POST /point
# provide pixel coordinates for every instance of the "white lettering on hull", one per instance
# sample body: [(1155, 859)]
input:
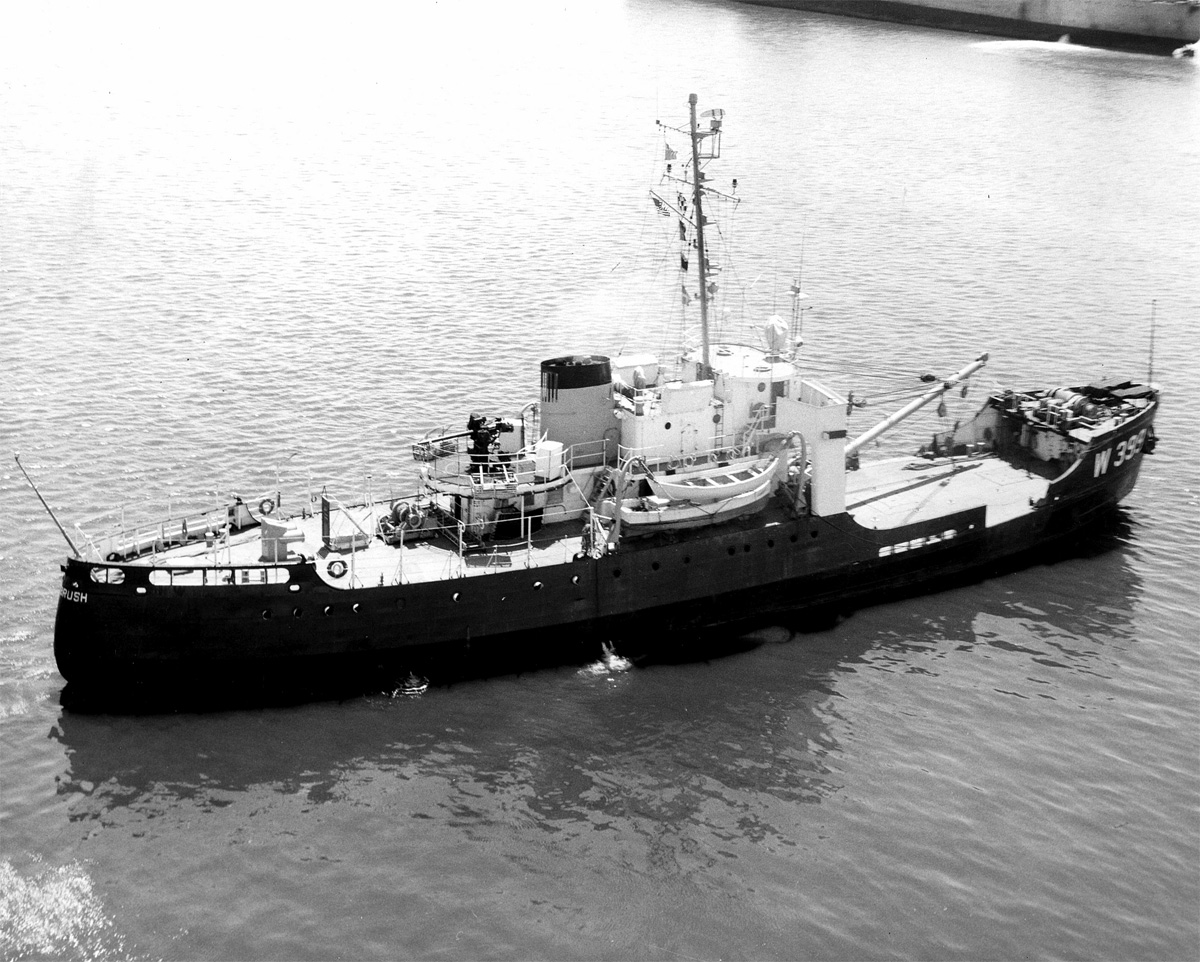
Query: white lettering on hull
[(77, 596), (1126, 451)]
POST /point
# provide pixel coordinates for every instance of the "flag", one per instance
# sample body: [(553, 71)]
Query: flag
[(669, 154), (687, 298)]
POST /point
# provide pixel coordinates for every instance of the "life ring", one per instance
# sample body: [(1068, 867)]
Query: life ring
[(672, 464), (266, 506), (336, 568), (689, 462)]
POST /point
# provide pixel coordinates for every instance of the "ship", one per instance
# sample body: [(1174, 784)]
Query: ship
[(634, 497), (1149, 26)]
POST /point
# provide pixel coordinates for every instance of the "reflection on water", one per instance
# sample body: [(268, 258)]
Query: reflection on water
[(595, 745), (696, 775)]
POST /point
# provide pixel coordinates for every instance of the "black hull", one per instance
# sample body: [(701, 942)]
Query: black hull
[(306, 638), (918, 14)]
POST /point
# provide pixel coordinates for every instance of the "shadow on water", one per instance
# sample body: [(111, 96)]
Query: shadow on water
[(662, 751), (711, 757), (679, 698), (654, 643)]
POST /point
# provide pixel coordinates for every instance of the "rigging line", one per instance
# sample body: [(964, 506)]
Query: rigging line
[(894, 373)]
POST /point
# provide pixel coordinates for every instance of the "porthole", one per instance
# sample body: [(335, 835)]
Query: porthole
[(667, 426), (687, 559), (746, 548), (813, 533), (574, 579), (794, 538), (616, 572), (328, 609), (732, 550), (537, 586), (454, 597), (354, 608), (267, 615), (770, 542), (654, 566), (296, 612), (762, 386)]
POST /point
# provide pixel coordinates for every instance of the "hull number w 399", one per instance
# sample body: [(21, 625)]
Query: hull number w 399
[(1125, 451)]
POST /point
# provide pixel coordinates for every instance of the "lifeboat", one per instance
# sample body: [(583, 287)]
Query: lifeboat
[(720, 483), (654, 513)]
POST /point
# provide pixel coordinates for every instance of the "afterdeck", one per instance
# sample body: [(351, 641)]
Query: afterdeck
[(434, 556), (888, 494)]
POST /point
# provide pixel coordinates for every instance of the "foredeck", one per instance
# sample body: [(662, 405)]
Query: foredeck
[(889, 494)]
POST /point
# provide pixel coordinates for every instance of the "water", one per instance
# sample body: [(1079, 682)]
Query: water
[(231, 235)]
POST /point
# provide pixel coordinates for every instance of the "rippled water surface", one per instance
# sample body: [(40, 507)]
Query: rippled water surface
[(241, 242)]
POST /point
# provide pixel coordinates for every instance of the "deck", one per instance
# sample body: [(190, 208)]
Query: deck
[(889, 494), (432, 556), (882, 495)]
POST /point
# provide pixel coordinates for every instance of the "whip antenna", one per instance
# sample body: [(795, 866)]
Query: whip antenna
[(1150, 373), (53, 518)]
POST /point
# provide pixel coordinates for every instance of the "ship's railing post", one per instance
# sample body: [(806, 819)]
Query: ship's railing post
[(90, 543)]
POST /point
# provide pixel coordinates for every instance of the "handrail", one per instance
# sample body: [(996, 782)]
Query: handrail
[(725, 443)]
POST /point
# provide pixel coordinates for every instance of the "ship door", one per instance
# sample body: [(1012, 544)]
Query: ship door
[(778, 390)]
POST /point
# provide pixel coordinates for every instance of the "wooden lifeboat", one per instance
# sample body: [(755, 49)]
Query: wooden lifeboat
[(655, 513), (710, 484)]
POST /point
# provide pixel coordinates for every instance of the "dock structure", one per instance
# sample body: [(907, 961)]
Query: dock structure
[(1154, 26)]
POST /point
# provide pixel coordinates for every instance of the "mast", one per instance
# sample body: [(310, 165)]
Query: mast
[(699, 211)]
